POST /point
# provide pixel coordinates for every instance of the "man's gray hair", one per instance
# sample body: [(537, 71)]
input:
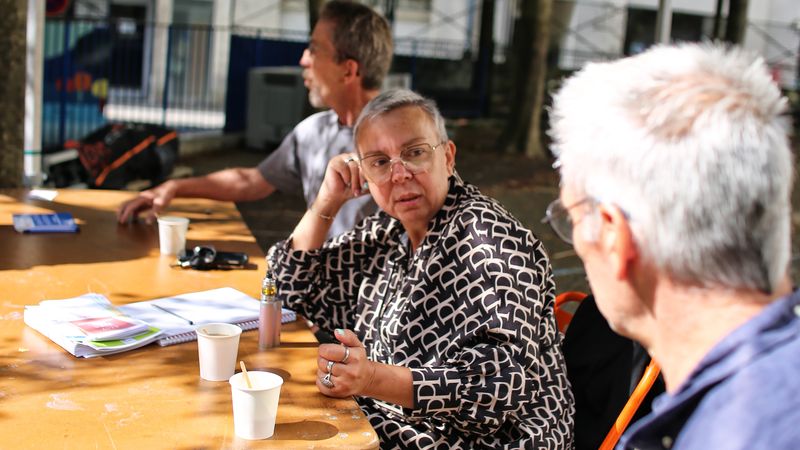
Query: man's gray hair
[(690, 143), (363, 35), (397, 98)]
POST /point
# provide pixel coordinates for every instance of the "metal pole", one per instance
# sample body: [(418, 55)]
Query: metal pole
[(33, 94), (66, 72), (796, 26), (663, 21), (165, 99)]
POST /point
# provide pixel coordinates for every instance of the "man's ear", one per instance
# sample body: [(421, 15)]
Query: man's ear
[(616, 240), (351, 70)]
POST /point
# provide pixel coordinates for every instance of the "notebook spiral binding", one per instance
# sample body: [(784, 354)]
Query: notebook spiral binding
[(286, 316)]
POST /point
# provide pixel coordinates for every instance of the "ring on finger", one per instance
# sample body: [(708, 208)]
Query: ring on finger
[(329, 367), (326, 381), (346, 355), (349, 159)]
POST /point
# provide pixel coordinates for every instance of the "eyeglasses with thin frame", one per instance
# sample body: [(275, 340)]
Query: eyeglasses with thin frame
[(416, 158), (557, 216)]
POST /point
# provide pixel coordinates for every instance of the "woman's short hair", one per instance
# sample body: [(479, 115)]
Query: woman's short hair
[(690, 142), (363, 35), (397, 98)]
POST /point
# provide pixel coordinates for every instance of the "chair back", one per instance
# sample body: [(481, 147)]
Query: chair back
[(566, 304), (634, 401)]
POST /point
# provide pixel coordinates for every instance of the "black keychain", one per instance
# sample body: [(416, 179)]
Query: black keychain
[(206, 257)]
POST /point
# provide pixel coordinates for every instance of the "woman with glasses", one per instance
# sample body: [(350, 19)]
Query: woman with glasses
[(443, 302)]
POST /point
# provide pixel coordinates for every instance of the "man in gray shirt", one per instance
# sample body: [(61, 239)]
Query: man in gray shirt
[(299, 164), (348, 56)]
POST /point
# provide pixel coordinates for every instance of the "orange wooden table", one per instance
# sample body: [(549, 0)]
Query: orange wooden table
[(151, 397)]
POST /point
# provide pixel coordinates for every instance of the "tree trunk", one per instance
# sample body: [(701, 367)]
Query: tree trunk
[(737, 21), (313, 13), (530, 43), (538, 75), (482, 72), (389, 7), (518, 67), (716, 32), (12, 92)]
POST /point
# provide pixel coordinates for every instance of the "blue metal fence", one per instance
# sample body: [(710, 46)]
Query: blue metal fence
[(96, 71), (191, 77)]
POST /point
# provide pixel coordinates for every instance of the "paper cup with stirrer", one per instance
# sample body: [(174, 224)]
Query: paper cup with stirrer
[(255, 396), (244, 374)]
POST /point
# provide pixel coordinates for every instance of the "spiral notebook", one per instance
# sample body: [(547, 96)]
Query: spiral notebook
[(180, 315)]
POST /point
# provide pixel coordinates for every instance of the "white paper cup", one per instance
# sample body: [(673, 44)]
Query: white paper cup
[(217, 348), (255, 409), (172, 234)]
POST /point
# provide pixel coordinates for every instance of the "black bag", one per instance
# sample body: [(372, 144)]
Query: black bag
[(116, 154)]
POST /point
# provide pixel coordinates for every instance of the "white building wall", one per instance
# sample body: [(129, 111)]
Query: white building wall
[(272, 15), (769, 34), (705, 7), (784, 10), (257, 13), (450, 20), (295, 21), (443, 33), (596, 32)]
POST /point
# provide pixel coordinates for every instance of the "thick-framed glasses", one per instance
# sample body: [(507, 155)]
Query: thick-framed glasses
[(557, 216), (415, 158)]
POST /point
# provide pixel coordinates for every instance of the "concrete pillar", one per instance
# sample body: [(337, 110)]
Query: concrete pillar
[(221, 20), (162, 18), (663, 21)]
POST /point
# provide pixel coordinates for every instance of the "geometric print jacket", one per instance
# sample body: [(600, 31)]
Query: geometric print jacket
[(470, 313)]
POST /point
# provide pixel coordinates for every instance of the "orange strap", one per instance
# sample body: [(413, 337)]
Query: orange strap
[(636, 398), (563, 317), (121, 160), (167, 137)]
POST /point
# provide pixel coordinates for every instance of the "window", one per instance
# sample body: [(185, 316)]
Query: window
[(641, 28)]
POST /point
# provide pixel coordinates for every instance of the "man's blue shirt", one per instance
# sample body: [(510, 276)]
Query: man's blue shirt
[(744, 394)]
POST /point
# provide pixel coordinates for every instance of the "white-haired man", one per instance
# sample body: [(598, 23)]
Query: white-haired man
[(676, 178)]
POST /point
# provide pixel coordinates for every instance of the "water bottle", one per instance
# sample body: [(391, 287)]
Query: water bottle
[(269, 319)]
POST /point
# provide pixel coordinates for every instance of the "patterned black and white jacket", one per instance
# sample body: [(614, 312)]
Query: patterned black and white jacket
[(470, 312)]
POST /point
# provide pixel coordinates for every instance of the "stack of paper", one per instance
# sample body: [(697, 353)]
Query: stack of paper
[(89, 325)]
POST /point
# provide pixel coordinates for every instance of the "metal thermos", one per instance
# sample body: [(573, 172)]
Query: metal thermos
[(269, 319)]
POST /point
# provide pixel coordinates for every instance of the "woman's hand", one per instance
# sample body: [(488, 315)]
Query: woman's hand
[(351, 373), (343, 181)]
